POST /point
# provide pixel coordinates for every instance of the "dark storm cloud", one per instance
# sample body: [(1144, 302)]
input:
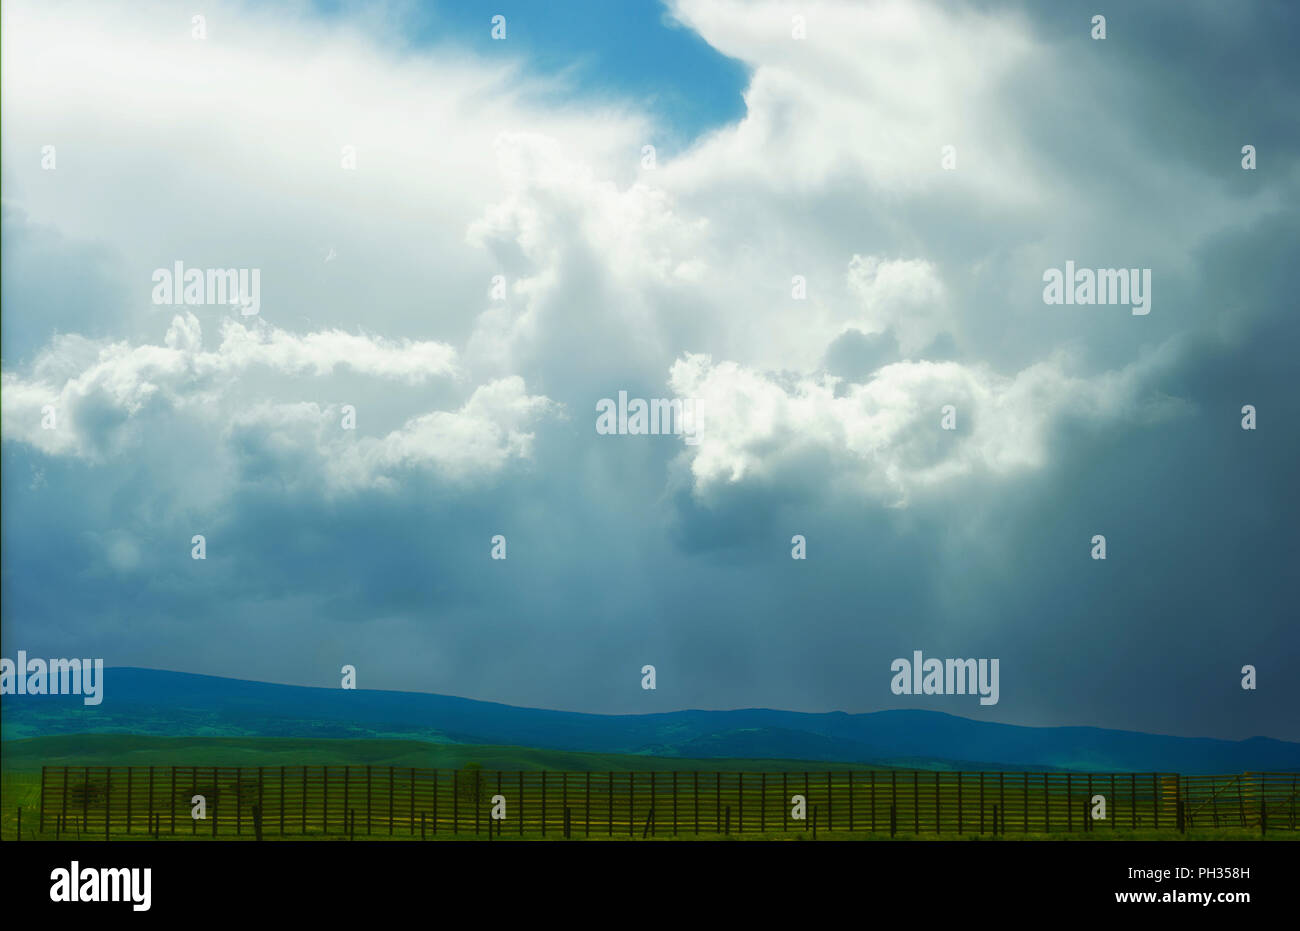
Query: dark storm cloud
[(618, 553)]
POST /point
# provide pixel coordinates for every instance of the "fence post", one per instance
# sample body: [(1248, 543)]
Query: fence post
[(650, 818), (1087, 819), (63, 808), (631, 804), (717, 800), (1047, 804), (455, 801), (938, 811), (981, 801), (347, 787), (1002, 802), (696, 774), (566, 823), (960, 812), (893, 820), (325, 797), (257, 821), (807, 795), (916, 802), (893, 800)]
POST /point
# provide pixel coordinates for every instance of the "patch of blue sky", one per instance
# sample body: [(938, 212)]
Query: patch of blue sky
[(630, 53)]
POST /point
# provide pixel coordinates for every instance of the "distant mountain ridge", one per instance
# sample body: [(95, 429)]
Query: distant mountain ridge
[(162, 703)]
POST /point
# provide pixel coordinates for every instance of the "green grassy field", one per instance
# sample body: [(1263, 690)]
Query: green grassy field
[(621, 790), (21, 760), (29, 755)]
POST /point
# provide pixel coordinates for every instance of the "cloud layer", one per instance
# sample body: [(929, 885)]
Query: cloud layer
[(438, 323)]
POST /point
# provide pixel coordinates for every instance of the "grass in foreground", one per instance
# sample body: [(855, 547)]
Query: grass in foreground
[(30, 754), (22, 761)]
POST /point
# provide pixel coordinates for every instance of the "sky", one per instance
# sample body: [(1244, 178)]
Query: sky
[(463, 245)]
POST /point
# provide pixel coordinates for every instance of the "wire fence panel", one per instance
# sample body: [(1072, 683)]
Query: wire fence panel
[(412, 802)]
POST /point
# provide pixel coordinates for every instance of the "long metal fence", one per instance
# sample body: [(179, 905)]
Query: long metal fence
[(366, 801)]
